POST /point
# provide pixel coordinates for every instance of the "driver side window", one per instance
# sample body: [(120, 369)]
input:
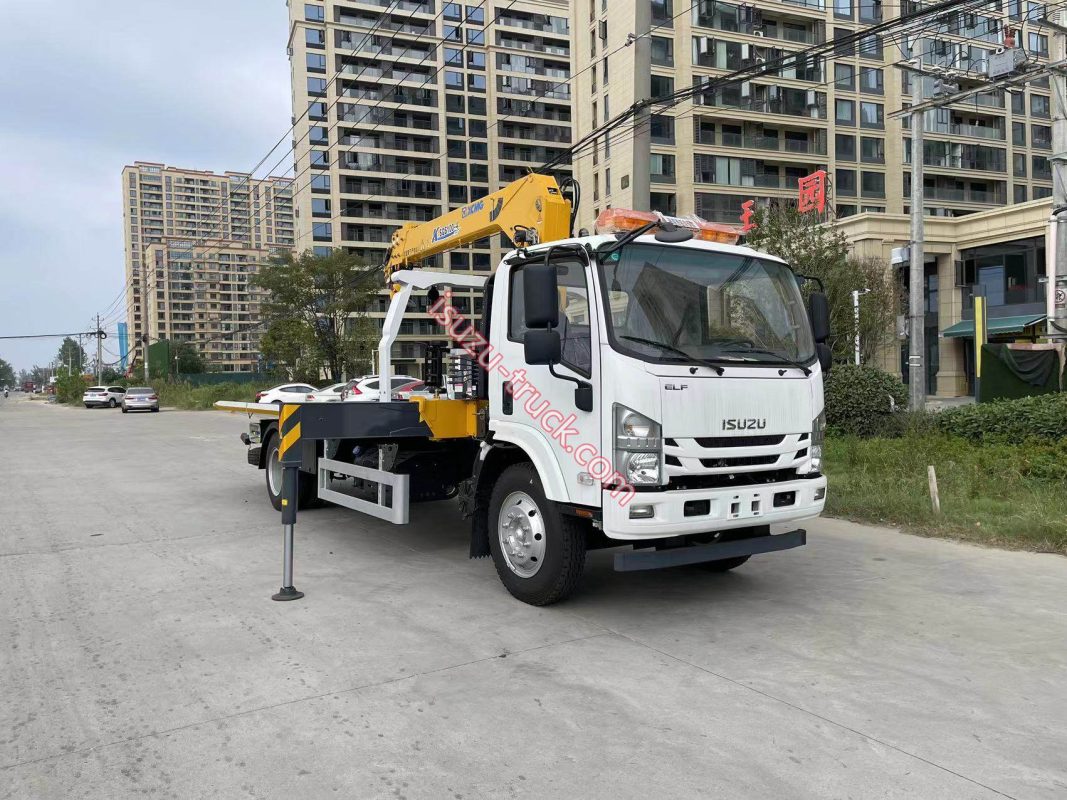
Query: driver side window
[(574, 314)]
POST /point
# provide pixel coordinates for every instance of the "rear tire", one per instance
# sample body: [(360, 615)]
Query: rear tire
[(125, 410), (538, 553), (155, 410), (306, 488)]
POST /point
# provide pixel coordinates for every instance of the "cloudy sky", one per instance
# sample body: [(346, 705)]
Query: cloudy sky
[(92, 85)]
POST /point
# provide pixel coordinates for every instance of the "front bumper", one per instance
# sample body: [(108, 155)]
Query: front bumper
[(713, 509)]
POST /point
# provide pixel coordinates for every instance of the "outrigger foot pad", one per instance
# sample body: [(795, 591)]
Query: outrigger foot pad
[(287, 593)]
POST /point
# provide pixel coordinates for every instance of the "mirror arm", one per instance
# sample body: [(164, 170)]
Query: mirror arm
[(552, 371)]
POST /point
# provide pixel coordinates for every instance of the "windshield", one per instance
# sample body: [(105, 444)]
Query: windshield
[(666, 303)]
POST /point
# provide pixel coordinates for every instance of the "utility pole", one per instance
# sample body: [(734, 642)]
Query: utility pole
[(856, 321), (144, 354), (640, 173), (99, 351), (1056, 246), (916, 277)]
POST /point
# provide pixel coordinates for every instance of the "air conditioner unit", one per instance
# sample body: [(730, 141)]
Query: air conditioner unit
[(746, 52), (812, 98), (760, 34)]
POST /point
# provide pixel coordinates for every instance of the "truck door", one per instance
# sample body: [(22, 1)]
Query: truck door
[(536, 410)]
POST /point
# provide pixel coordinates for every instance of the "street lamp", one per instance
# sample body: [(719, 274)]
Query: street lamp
[(856, 320)]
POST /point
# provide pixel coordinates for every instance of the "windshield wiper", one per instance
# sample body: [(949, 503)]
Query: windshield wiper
[(670, 348), (773, 353)]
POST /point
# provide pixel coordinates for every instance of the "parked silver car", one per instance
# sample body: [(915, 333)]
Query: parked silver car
[(140, 398), (103, 396)]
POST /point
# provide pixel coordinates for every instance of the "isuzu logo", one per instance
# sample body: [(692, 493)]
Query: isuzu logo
[(751, 424)]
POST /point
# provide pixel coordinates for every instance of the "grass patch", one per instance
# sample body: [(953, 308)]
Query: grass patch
[(175, 395), (999, 494)]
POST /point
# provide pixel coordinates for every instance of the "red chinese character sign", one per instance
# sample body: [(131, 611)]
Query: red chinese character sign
[(747, 211), (812, 195)]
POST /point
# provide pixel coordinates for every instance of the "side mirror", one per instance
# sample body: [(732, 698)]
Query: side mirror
[(542, 346), (819, 310), (540, 296), (822, 350), (583, 397)]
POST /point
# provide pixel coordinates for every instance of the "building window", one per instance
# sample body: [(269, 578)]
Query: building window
[(662, 129), (663, 13), (1038, 44), (845, 112), (843, 44), (319, 134), (845, 77), (870, 11), (314, 13), (317, 86), (476, 83), (1041, 136), (322, 231), (872, 151), (843, 9), (475, 60), (1018, 165), (475, 36), (320, 183), (320, 207), (320, 158), (873, 184), (316, 62), (662, 86), (870, 47), (476, 15), (451, 34), (845, 182), (313, 37), (1018, 134), (1019, 193), (1040, 169), (871, 115), (453, 12), (845, 147), (1039, 106), (453, 80), (661, 166), (871, 81), (1018, 103), (453, 56), (662, 51)]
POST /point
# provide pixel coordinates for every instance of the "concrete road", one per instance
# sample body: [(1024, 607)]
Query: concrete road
[(140, 654)]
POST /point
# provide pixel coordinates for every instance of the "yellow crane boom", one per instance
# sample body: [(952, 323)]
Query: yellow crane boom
[(533, 203)]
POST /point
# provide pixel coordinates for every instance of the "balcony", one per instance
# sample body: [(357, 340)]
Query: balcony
[(535, 22), (756, 141), (533, 44)]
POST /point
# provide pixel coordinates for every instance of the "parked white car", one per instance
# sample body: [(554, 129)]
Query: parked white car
[(362, 390), (328, 394), (286, 393), (110, 396)]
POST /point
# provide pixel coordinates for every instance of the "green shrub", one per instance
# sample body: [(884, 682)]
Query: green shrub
[(69, 389), (861, 401), (1040, 418)]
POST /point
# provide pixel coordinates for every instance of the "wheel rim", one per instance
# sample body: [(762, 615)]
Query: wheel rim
[(521, 532), (274, 472)]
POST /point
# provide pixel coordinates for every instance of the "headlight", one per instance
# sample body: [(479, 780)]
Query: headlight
[(818, 434), (638, 447)]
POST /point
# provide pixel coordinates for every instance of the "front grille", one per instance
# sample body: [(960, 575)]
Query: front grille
[(740, 441), (740, 461), (726, 480)]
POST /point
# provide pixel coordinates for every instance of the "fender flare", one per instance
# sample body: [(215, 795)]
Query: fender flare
[(493, 458)]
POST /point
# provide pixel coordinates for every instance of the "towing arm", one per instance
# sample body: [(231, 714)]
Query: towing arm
[(533, 205)]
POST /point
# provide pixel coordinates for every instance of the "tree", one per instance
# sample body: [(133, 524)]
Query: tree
[(71, 354), (819, 251), (186, 358), (7, 374), (313, 309)]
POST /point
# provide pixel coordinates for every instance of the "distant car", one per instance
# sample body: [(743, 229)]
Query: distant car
[(286, 393), (365, 389), (103, 396), (328, 394), (140, 398)]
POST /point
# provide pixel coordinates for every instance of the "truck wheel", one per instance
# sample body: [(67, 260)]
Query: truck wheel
[(538, 553), (306, 488)]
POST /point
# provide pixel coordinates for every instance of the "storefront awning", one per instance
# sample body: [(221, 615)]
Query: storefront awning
[(997, 326)]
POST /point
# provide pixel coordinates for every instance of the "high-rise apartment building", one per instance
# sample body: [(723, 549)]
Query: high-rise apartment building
[(200, 292), (415, 107), (215, 219), (752, 140)]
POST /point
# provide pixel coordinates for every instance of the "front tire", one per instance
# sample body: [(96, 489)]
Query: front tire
[(111, 403), (538, 553)]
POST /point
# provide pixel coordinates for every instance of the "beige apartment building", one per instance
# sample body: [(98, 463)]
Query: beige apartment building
[(200, 292), (752, 140), (434, 105), (1002, 250), (186, 231)]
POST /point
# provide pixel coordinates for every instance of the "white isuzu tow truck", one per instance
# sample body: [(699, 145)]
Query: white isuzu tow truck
[(653, 387)]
